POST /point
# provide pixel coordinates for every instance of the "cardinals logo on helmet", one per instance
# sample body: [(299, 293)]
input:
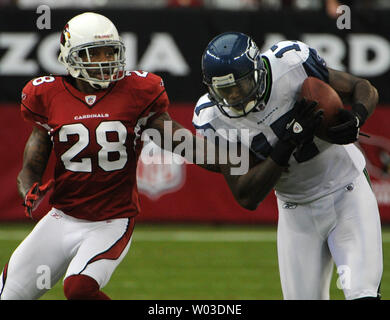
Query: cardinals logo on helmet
[(65, 35)]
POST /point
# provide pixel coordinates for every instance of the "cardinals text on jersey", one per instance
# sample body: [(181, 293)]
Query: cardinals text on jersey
[(96, 140)]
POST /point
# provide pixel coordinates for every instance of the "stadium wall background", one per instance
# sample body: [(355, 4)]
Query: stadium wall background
[(170, 43)]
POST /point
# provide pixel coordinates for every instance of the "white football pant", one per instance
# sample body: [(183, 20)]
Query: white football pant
[(60, 244), (342, 228)]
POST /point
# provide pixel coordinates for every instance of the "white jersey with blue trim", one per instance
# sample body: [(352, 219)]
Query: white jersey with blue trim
[(320, 168)]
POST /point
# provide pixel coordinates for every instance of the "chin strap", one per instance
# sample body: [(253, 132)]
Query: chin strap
[(98, 86), (83, 75)]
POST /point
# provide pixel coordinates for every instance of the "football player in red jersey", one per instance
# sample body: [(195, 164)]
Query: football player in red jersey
[(92, 120)]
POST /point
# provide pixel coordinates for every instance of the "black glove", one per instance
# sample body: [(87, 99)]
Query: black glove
[(305, 120), (299, 130), (351, 121)]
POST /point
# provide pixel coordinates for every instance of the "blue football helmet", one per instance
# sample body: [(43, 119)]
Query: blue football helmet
[(234, 73)]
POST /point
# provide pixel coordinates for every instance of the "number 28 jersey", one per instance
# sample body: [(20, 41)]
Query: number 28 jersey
[(96, 140)]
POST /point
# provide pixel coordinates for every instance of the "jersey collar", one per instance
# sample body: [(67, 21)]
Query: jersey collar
[(268, 87), (89, 99)]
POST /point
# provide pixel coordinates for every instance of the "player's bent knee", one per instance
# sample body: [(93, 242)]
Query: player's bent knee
[(82, 287)]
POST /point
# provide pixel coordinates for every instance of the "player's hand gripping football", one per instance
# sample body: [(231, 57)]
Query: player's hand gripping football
[(305, 120), (351, 121), (35, 195)]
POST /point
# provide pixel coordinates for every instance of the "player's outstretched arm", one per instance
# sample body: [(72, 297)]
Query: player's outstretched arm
[(197, 143), (361, 95), (35, 158), (251, 187)]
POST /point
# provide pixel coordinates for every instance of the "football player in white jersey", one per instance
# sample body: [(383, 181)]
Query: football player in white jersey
[(328, 213)]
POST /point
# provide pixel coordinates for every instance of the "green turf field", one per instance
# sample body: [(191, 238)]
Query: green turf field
[(187, 262)]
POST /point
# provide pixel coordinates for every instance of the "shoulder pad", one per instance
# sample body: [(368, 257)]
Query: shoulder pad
[(42, 85), (204, 112)]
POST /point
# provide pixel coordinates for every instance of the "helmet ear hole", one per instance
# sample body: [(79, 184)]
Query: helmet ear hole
[(61, 58)]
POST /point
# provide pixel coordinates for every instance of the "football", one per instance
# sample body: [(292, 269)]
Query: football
[(328, 100)]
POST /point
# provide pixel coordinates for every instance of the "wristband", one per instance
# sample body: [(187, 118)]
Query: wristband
[(282, 152), (361, 111)]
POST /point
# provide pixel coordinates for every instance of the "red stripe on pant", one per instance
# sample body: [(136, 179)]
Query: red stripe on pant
[(117, 248)]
